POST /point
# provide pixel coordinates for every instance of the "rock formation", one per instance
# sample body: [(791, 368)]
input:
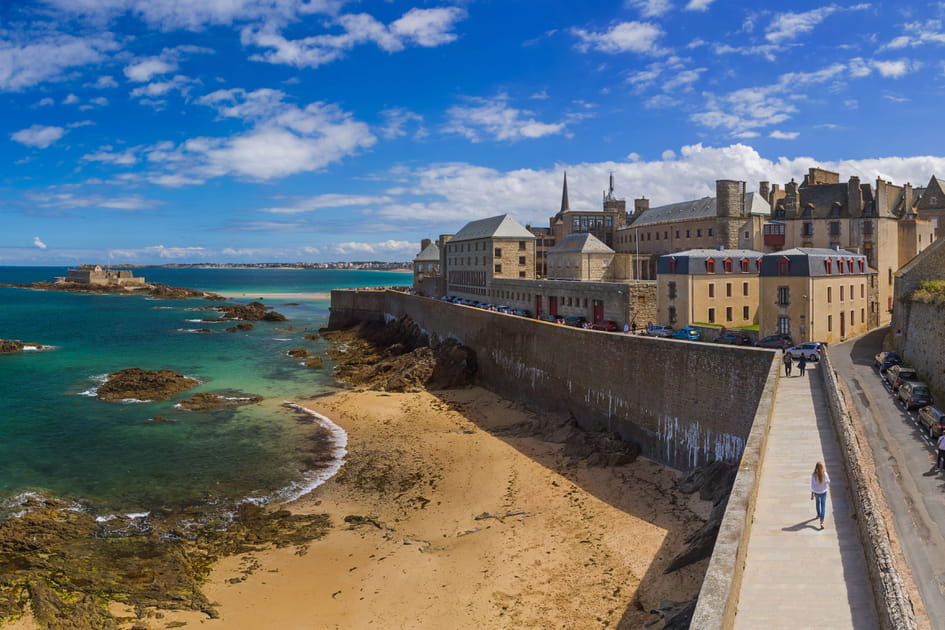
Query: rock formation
[(314, 362), (397, 357), (254, 311), (144, 384), (298, 353), (205, 401)]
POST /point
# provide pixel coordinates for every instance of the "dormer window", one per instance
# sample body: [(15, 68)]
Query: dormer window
[(827, 265), (835, 211), (784, 266), (744, 265), (672, 264), (808, 211), (727, 265), (862, 265), (710, 265)]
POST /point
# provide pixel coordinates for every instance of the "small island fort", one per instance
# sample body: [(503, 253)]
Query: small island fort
[(95, 274)]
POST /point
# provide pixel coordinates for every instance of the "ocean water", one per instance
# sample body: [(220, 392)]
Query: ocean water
[(60, 440)]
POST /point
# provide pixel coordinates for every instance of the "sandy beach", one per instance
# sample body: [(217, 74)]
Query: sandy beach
[(438, 523)]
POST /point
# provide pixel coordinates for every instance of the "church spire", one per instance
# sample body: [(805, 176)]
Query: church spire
[(564, 194)]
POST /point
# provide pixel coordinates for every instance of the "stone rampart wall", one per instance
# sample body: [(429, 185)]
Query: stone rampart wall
[(684, 403)]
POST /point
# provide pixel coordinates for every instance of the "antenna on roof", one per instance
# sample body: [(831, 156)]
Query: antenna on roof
[(609, 195)]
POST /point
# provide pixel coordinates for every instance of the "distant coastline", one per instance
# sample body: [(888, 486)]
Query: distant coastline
[(402, 267)]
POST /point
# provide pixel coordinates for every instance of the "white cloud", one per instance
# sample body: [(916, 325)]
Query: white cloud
[(896, 69), (42, 58), (283, 140), (540, 96), (39, 136), (425, 28), (182, 14), (69, 200), (638, 37), (653, 8), (783, 135), (321, 202), (45, 102), (384, 247), (107, 156), (38, 243), (104, 82), (397, 120), (160, 251), (144, 70), (155, 89), (669, 155), (788, 26), (698, 5), (71, 99), (497, 119)]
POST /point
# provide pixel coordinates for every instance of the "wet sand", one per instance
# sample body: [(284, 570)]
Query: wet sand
[(458, 528)]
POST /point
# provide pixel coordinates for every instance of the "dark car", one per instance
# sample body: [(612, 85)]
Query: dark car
[(885, 360), (575, 320), (914, 394), (734, 339), (606, 324), (775, 341), (521, 312), (932, 420), (549, 318), (896, 374)]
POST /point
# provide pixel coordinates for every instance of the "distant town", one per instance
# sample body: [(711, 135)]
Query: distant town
[(374, 265)]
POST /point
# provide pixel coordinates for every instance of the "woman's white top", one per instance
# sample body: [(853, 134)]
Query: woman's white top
[(818, 487)]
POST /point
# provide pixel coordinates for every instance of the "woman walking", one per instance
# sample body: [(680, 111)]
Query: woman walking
[(787, 362), (819, 481)]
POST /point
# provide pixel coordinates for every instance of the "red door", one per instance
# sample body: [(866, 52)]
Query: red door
[(537, 306), (553, 306), (598, 311), (843, 328)]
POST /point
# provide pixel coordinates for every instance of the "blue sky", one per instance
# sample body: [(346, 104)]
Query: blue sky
[(165, 131)]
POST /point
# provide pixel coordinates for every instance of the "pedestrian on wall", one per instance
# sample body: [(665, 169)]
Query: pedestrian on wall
[(787, 364), (626, 328), (819, 481), (802, 364), (940, 460)]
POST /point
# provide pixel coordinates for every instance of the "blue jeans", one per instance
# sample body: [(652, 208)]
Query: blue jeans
[(820, 502)]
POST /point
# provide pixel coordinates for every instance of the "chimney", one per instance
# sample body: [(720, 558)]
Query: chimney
[(764, 189), (640, 206), (854, 197), (907, 201), (424, 244)]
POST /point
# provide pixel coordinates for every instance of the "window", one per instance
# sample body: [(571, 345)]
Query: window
[(867, 227), (747, 234), (672, 290), (727, 265), (829, 323), (862, 290), (841, 292), (677, 233), (672, 314), (657, 236), (711, 290), (728, 289), (745, 314), (521, 260), (862, 315), (784, 266), (687, 233), (862, 265), (827, 265), (672, 264), (784, 325), (699, 232), (745, 289), (784, 296), (807, 229), (498, 252), (710, 231), (744, 265), (521, 274), (835, 211), (521, 246), (829, 295), (710, 265), (666, 236), (728, 313), (712, 315), (498, 268), (834, 228)]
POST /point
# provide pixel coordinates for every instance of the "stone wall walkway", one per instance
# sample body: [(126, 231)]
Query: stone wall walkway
[(797, 576)]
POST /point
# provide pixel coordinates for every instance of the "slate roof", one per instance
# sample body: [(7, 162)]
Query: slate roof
[(696, 209), (431, 253), (692, 261), (809, 261), (582, 243), (502, 226)]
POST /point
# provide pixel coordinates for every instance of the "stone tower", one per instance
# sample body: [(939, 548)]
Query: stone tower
[(612, 204), (731, 207)]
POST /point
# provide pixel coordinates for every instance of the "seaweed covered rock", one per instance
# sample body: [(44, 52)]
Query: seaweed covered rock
[(205, 401), (138, 384), (314, 362), (298, 353), (10, 345), (397, 356), (254, 311)]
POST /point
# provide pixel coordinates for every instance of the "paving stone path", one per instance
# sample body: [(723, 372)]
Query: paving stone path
[(797, 576)]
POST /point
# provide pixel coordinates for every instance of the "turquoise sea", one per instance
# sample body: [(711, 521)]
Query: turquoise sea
[(60, 440)]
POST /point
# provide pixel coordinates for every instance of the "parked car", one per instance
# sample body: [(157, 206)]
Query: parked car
[(734, 339), (810, 351), (896, 374), (884, 360), (775, 341), (606, 324), (522, 312), (932, 420), (575, 320), (914, 394), (689, 333), (659, 330), (502, 308), (549, 318)]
